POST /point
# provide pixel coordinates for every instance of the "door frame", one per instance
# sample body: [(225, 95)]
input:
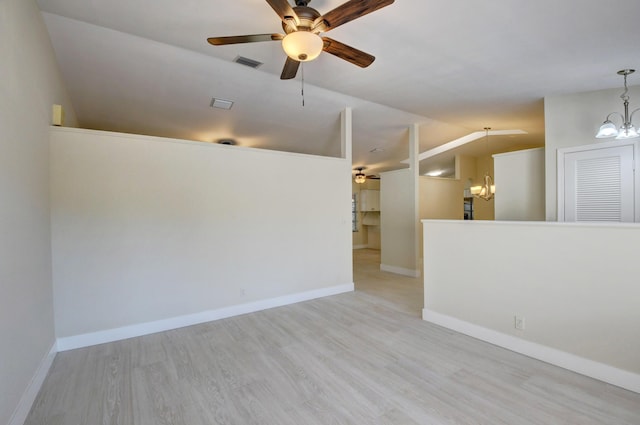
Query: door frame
[(560, 158)]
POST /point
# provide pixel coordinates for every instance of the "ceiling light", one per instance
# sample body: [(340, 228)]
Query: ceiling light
[(302, 46), (626, 130), (488, 189), (228, 142), (435, 173), (360, 177)]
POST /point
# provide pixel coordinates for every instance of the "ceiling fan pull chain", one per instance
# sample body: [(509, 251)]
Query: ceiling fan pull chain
[(302, 92)]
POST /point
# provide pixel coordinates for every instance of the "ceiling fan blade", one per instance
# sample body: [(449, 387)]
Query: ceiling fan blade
[(284, 10), (290, 69), (235, 39), (348, 53), (349, 11)]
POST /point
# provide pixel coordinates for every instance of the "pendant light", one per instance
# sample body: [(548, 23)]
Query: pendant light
[(488, 189), (626, 130)]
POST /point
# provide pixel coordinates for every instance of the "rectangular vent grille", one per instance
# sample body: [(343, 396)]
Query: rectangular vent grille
[(221, 103), (247, 62)]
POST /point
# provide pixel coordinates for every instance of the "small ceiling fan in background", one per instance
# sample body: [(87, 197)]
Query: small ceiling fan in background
[(302, 26), (360, 177)]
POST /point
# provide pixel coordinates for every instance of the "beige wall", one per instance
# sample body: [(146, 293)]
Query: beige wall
[(29, 85), (521, 177), (398, 214), (366, 236), (443, 198), (573, 120), (575, 284), (133, 216)]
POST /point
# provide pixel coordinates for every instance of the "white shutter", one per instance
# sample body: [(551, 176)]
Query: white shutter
[(599, 185)]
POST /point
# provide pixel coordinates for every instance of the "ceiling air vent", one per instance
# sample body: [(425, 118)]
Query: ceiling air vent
[(247, 62), (221, 103)]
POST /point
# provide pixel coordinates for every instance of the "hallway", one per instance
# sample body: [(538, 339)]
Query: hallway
[(402, 293)]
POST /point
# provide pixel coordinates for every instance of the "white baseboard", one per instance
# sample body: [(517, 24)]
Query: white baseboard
[(360, 246), (400, 270), (131, 331), (600, 371), (30, 394)]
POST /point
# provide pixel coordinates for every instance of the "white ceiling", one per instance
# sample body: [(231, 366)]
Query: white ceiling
[(453, 66)]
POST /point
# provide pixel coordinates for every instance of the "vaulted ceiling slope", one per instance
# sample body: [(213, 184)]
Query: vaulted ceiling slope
[(454, 67)]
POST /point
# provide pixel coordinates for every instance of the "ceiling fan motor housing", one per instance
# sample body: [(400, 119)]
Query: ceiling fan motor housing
[(307, 17)]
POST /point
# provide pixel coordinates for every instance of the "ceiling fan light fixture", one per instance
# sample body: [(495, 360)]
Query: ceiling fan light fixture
[(302, 46), (360, 177), (435, 173)]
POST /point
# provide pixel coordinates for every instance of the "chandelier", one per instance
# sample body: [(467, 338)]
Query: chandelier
[(488, 189), (626, 130)]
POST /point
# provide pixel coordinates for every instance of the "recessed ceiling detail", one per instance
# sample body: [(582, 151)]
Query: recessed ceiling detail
[(221, 103)]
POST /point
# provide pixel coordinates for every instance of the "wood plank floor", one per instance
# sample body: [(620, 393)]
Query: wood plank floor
[(358, 358)]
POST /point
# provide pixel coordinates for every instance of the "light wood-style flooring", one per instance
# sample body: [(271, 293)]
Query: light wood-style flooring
[(359, 358)]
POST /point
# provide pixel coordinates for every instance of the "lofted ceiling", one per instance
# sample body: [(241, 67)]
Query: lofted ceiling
[(453, 67)]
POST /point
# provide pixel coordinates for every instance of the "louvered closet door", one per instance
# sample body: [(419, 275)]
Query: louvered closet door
[(599, 185)]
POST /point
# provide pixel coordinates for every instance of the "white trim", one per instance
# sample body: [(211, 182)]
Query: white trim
[(560, 154), (590, 368), (30, 394), (400, 270), (515, 153), (131, 331), (360, 246), (462, 141), (600, 224)]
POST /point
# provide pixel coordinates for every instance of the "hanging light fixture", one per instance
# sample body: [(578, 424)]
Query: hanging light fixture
[(302, 46), (360, 177), (488, 189), (627, 130)]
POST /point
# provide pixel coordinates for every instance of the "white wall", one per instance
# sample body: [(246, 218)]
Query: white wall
[(147, 229), (29, 85), (398, 222), (573, 120), (576, 285), (519, 178)]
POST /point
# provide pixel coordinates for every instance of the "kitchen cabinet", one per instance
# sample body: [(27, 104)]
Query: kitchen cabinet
[(369, 200)]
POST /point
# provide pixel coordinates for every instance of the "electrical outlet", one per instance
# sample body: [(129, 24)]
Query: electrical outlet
[(519, 322)]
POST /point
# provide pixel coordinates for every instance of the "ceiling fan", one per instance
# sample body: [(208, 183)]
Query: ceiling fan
[(302, 26)]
